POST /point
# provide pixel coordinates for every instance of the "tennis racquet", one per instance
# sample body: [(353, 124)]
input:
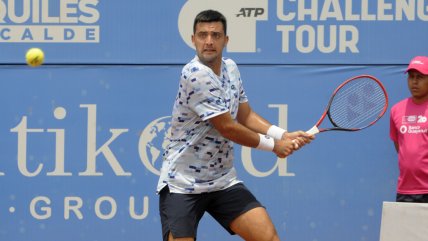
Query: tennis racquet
[(356, 104)]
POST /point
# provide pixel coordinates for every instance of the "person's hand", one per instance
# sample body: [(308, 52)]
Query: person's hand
[(283, 148), (299, 138)]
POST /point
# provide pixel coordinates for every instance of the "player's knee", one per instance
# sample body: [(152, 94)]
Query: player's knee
[(272, 235), (269, 234)]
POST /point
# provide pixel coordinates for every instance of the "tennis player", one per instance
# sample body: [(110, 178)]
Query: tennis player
[(211, 113)]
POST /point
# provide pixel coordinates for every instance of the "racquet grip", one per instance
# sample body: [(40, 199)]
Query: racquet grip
[(314, 130)]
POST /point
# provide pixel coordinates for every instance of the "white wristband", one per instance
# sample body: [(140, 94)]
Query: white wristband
[(266, 143), (275, 132)]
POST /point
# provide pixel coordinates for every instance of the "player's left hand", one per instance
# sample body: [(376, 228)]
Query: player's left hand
[(299, 138)]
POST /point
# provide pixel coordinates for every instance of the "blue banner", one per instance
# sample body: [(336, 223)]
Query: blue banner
[(261, 31), (81, 149)]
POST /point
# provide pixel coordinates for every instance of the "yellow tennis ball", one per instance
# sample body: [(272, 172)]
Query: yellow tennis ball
[(34, 57)]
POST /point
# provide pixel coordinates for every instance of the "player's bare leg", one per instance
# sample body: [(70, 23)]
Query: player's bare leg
[(170, 238), (255, 225)]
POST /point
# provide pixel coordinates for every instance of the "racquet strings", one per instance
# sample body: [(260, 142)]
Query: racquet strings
[(358, 104)]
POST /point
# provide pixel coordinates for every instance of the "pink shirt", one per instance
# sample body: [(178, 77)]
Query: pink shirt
[(409, 128)]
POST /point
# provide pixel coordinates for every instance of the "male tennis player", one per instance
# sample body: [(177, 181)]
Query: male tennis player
[(409, 131), (210, 113)]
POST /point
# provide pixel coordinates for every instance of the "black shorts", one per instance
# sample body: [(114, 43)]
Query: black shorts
[(180, 213), (413, 198)]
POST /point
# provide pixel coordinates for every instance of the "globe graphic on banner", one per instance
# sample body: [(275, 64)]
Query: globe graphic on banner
[(153, 140)]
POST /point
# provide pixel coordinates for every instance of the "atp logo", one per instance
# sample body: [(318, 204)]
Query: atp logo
[(241, 15)]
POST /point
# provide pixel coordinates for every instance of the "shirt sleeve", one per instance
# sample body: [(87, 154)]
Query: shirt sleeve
[(242, 95), (204, 97), (234, 72)]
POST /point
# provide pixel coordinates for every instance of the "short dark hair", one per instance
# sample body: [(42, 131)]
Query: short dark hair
[(207, 16)]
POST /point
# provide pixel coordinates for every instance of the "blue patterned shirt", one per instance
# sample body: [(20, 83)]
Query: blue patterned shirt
[(199, 159)]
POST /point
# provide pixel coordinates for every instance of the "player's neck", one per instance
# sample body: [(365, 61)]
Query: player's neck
[(215, 67)]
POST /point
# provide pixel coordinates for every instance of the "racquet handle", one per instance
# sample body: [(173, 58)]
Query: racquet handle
[(314, 130)]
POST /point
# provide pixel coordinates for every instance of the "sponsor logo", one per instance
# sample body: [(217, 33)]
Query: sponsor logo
[(413, 130), (152, 141), (49, 21), (422, 119), (412, 119), (250, 12), (409, 119), (417, 62)]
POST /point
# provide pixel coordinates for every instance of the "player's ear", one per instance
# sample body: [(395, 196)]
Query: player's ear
[(193, 39), (226, 40)]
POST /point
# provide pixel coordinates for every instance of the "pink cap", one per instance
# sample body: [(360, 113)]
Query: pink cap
[(419, 63)]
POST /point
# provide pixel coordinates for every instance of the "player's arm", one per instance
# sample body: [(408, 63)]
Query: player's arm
[(247, 117), (234, 131), (242, 135)]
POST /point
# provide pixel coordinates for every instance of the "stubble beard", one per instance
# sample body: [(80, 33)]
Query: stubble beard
[(208, 60)]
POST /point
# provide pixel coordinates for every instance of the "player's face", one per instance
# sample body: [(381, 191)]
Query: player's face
[(209, 40), (418, 85)]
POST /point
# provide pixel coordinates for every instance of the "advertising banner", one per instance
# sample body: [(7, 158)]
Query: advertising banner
[(82, 147), (261, 31)]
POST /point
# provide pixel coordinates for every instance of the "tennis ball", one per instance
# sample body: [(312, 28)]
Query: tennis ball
[(34, 57)]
